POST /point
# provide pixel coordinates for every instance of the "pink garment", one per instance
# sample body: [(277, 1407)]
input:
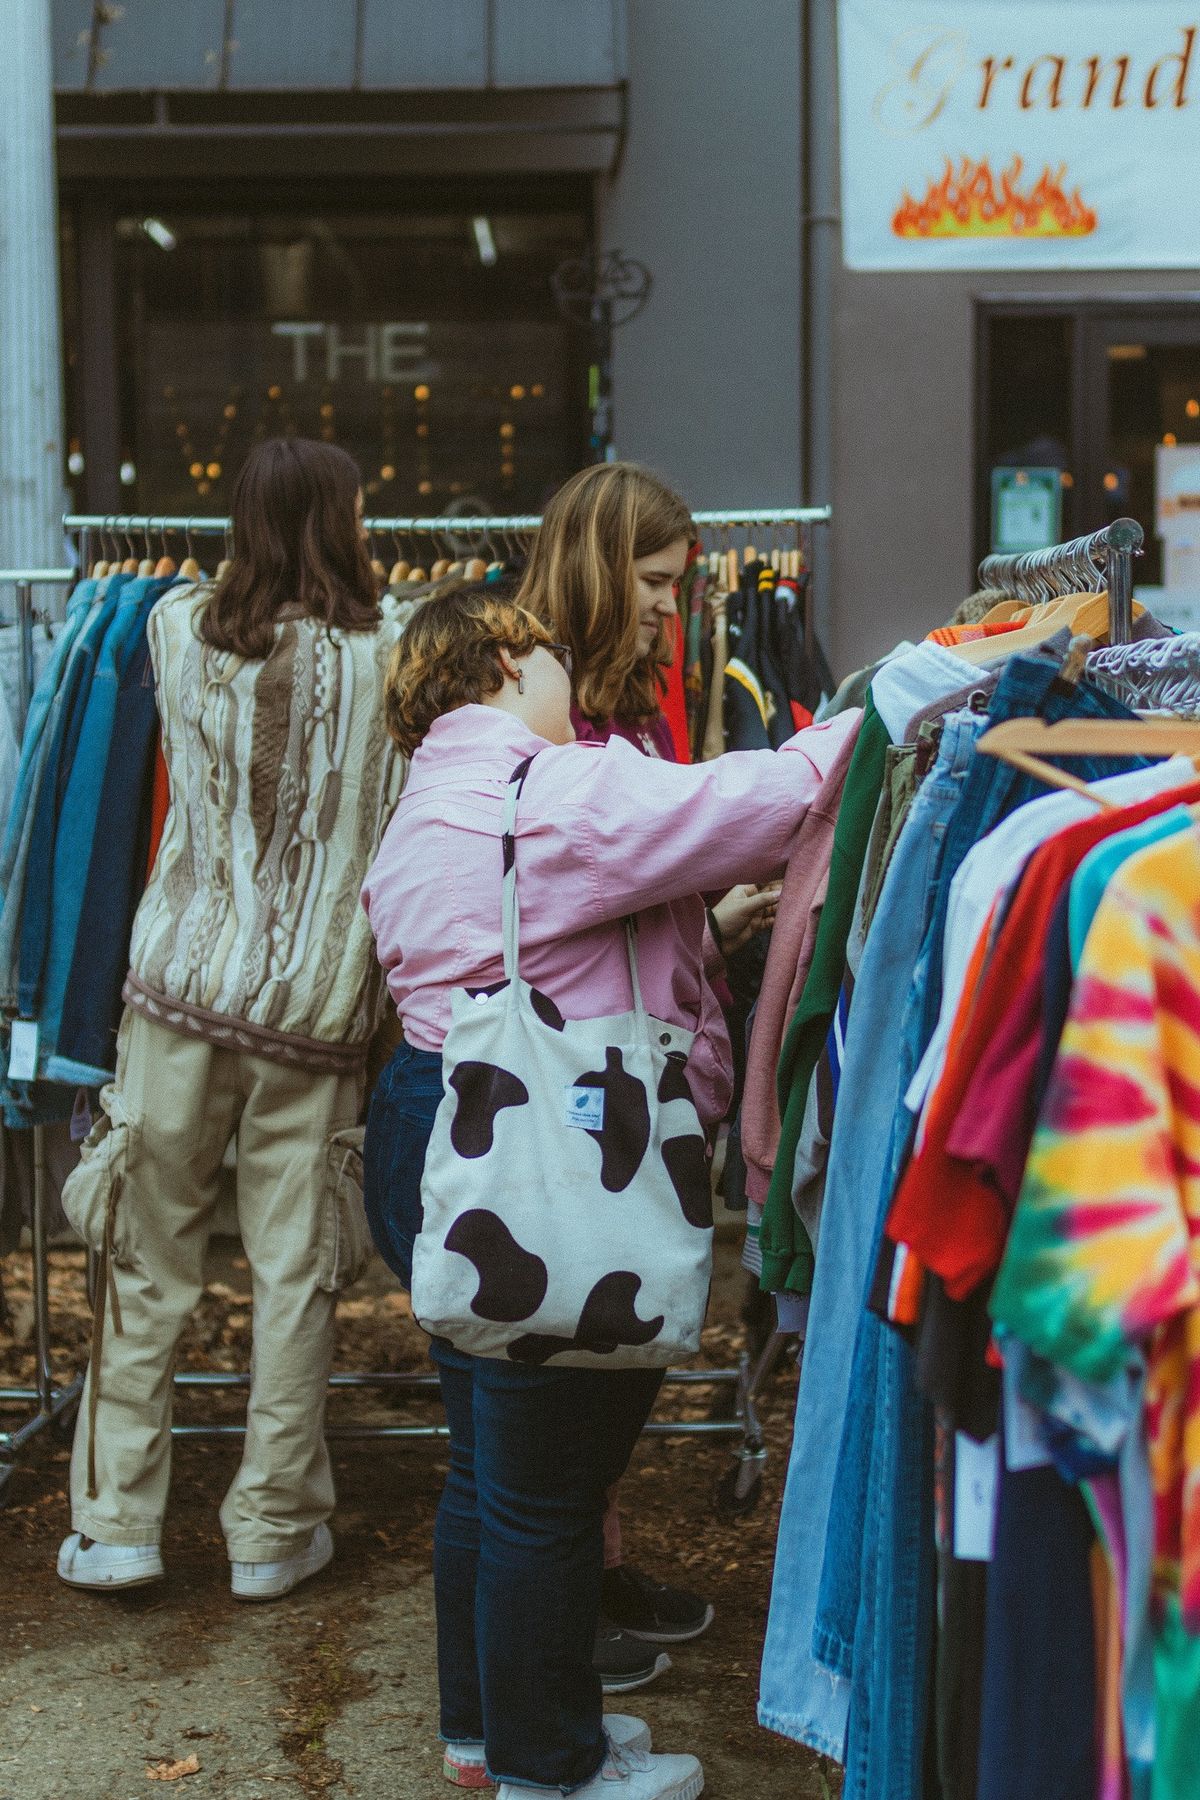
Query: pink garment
[(602, 832), (792, 941)]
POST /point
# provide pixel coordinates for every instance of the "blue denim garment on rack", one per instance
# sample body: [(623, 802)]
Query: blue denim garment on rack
[(81, 820), (67, 720), (14, 853), (85, 1053), (798, 1697)]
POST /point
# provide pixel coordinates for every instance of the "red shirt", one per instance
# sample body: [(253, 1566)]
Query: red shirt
[(950, 1212)]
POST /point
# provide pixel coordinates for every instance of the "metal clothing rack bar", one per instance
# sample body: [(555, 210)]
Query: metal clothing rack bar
[(178, 523), (1100, 562), (49, 1402)]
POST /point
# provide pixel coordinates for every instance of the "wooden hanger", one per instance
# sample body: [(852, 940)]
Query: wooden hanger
[(1022, 743), (1005, 611), (476, 569), (1042, 625), (415, 575)]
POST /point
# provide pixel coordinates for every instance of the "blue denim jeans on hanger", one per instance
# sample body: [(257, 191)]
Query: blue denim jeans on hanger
[(799, 1697), (518, 1553), (887, 1565)]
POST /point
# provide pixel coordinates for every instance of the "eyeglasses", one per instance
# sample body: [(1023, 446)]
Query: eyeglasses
[(563, 653)]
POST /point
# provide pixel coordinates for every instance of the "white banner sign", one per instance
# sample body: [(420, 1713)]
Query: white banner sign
[(1020, 134)]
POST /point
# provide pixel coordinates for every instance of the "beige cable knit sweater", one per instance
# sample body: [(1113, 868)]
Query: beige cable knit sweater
[(282, 781)]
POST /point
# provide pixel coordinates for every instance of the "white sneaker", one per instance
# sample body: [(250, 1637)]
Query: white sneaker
[(268, 1580), (108, 1565), (466, 1764), (629, 1774)]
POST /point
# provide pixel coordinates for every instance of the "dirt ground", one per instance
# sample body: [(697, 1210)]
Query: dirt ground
[(332, 1690)]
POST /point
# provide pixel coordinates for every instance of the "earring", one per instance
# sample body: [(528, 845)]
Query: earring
[(520, 681)]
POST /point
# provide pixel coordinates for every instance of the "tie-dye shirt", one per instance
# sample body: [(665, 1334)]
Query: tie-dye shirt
[(1104, 1251)]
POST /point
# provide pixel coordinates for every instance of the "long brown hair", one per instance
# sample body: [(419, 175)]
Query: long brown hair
[(296, 543), (580, 580)]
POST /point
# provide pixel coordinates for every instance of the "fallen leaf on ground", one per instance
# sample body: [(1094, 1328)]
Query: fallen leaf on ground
[(164, 1770)]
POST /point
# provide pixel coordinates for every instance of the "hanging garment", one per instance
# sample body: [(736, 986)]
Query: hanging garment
[(792, 941), (38, 885), (786, 1251), (116, 877), (49, 697), (1109, 1169), (802, 1697)]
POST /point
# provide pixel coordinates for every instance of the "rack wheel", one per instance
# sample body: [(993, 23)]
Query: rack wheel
[(740, 1488)]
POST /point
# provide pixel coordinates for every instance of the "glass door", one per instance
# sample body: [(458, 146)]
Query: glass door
[(1141, 408)]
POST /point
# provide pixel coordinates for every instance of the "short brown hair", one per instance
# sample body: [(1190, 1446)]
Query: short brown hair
[(296, 542), (448, 657), (580, 580)]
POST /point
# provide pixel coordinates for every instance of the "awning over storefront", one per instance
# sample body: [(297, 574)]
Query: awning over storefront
[(394, 85)]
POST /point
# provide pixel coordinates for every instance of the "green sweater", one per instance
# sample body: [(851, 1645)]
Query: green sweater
[(787, 1252)]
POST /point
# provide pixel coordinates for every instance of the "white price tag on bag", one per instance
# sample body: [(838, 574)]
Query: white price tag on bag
[(22, 1056), (583, 1107)]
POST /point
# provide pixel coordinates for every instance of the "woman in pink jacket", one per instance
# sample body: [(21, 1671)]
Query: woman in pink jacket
[(603, 832)]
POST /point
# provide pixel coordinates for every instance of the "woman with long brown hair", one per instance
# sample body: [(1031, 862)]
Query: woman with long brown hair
[(251, 998), (604, 576)]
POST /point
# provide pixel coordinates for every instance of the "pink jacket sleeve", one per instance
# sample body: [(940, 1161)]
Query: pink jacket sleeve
[(615, 832)]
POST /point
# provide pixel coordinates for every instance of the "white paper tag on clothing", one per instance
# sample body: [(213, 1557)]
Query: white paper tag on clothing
[(583, 1107), (22, 1057), (1024, 1442), (976, 1478)]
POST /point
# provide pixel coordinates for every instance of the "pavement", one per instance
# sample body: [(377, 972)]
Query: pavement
[(179, 1689)]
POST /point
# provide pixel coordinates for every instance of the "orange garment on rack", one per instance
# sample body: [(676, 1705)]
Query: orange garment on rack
[(949, 635)]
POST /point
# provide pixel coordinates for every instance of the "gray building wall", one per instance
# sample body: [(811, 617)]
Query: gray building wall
[(904, 492), (707, 379)]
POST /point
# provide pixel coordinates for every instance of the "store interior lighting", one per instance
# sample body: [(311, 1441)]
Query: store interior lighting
[(160, 234), (485, 243)]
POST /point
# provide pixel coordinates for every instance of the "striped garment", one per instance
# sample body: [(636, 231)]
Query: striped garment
[(1104, 1253), (251, 933)]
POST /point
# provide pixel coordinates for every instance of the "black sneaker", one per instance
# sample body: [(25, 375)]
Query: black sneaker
[(650, 1610), (624, 1663)]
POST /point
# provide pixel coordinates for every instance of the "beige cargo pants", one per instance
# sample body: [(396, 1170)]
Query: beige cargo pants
[(149, 1178)]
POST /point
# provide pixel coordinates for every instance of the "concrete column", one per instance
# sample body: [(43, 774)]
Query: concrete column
[(31, 402)]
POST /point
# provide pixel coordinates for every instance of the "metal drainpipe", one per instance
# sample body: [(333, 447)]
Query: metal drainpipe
[(31, 411), (820, 248)]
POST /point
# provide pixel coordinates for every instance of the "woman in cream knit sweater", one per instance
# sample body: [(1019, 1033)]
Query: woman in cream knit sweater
[(251, 999)]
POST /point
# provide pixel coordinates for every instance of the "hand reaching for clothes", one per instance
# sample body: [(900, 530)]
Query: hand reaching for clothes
[(744, 910)]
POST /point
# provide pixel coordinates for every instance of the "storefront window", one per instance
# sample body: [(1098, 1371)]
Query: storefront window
[(428, 346), (1030, 411)]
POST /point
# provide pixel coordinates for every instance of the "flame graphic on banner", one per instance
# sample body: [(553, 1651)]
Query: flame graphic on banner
[(968, 203)]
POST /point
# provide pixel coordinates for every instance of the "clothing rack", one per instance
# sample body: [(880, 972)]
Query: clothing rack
[(181, 524), (50, 1403), (1093, 564), (53, 1404)]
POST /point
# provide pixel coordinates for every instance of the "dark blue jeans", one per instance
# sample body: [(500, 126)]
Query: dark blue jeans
[(518, 1552)]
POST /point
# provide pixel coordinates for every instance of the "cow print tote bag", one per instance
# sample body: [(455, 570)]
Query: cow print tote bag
[(566, 1193)]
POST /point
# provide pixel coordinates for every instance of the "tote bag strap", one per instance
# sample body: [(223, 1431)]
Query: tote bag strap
[(512, 910)]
